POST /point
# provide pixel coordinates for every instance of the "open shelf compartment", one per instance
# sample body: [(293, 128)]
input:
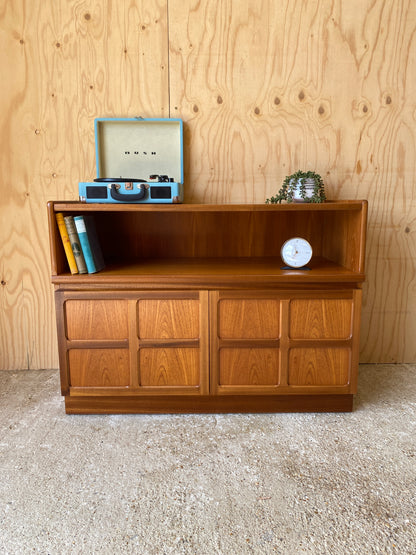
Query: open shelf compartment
[(214, 244)]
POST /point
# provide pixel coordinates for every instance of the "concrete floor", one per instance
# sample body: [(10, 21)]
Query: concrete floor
[(223, 484)]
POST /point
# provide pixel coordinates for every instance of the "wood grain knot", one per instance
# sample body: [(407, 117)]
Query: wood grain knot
[(277, 101), (87, 16), (301, 95), (21, 41), (195, 108), (365, 108), (321, 110), (219, 99), (257, 111), (58, 45), (407, 230), (388, 100), (2, 282), (37, 131)]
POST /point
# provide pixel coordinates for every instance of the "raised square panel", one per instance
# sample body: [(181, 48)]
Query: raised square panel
[(249, 319), (320, 318), (96, 319), (249, 366), (321, 367), (99, 367), (172, 366), (168, 318)]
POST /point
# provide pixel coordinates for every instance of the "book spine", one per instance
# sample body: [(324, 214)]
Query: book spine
[(66, 243), (85, 244), (94, 241), (75, 244)]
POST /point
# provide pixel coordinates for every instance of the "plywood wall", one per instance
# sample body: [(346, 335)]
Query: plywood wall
[(264, 87)]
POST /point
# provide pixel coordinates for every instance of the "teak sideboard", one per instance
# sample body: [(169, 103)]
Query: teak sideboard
[(194, 313)]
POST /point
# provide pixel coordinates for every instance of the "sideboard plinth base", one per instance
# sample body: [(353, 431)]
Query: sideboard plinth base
[(207, 404)]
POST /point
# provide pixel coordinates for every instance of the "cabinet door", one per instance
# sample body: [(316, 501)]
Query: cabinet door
[(133, 343), (172, 343), (320, 334), (97, 334), (298, 342), (245, 340)]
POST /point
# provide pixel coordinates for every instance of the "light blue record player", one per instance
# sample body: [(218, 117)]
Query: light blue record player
[(138, 161)]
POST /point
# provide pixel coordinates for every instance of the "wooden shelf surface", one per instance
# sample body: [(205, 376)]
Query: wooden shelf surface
[(76, 206), (214, 271)]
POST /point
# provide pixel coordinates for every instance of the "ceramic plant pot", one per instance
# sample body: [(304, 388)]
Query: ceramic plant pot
[(309, 190)]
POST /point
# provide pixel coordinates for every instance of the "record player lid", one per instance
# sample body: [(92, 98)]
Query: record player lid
[(138, 147)]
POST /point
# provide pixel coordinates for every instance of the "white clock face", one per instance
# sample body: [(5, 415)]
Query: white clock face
[(296, 252)]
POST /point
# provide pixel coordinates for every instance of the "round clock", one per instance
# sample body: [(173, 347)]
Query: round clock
[(296, 252)]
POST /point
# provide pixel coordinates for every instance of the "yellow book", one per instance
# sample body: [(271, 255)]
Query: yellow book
[(66, 242)]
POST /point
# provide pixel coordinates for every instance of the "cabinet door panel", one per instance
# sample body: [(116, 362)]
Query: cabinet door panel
[(245, 332), (248, 366), (319, 366), (172, 343), (96, 319), (161, 367), (320, 318), (99, 367), (168, 318), (248, 319)]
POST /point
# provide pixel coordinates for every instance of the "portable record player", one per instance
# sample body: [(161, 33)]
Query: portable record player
[(138, 161)]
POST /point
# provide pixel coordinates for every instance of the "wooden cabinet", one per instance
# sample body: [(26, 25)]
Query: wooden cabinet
[(194, 313)]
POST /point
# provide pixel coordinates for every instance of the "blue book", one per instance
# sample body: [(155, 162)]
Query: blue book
[(90, 244)]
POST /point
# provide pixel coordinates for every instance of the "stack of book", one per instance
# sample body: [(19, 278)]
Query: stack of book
[(81, 244)]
